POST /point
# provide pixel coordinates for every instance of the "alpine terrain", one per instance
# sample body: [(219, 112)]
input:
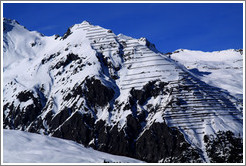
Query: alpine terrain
[(122, 96), (22, 147)]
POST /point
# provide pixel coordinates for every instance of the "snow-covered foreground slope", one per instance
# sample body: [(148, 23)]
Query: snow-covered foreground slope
[(223, 69), (25, 147), (115, 93)]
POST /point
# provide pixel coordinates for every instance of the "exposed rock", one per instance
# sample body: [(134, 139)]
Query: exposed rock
[(25, 95), (21, 117), (60, 118), (67, 33), (96, 93), (77, 128), (69, 58), (149, 90), (225, 147)]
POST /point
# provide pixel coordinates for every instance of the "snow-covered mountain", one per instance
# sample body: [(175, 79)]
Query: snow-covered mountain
[(223, 69), (117, 94)]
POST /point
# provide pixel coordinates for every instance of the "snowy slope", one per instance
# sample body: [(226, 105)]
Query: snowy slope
[(96, 88), (21, 44), (223, 69), (24, 147)]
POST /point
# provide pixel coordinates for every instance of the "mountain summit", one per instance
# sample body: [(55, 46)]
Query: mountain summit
[(116, 94)]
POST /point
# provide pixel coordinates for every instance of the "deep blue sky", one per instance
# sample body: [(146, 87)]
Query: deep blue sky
[(201, 26)]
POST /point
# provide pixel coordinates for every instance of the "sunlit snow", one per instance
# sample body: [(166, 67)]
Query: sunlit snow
[(25, 147)]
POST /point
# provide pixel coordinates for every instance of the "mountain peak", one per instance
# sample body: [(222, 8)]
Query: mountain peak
[(10, 21), (9, 24), (85, 22)]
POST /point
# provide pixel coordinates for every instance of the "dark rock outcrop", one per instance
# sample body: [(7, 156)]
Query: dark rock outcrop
[(77, 128), (69, 32), (164, 143), (96, 93), (20, 117), (149, 90), (225, 147)]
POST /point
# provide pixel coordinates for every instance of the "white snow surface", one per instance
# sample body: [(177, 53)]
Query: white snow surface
[(223, 69), (25, 147)]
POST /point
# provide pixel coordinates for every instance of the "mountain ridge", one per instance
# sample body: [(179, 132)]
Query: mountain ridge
[(95, 87)]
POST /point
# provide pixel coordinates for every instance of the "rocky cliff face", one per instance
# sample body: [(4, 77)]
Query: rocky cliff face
[(111, 92)]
